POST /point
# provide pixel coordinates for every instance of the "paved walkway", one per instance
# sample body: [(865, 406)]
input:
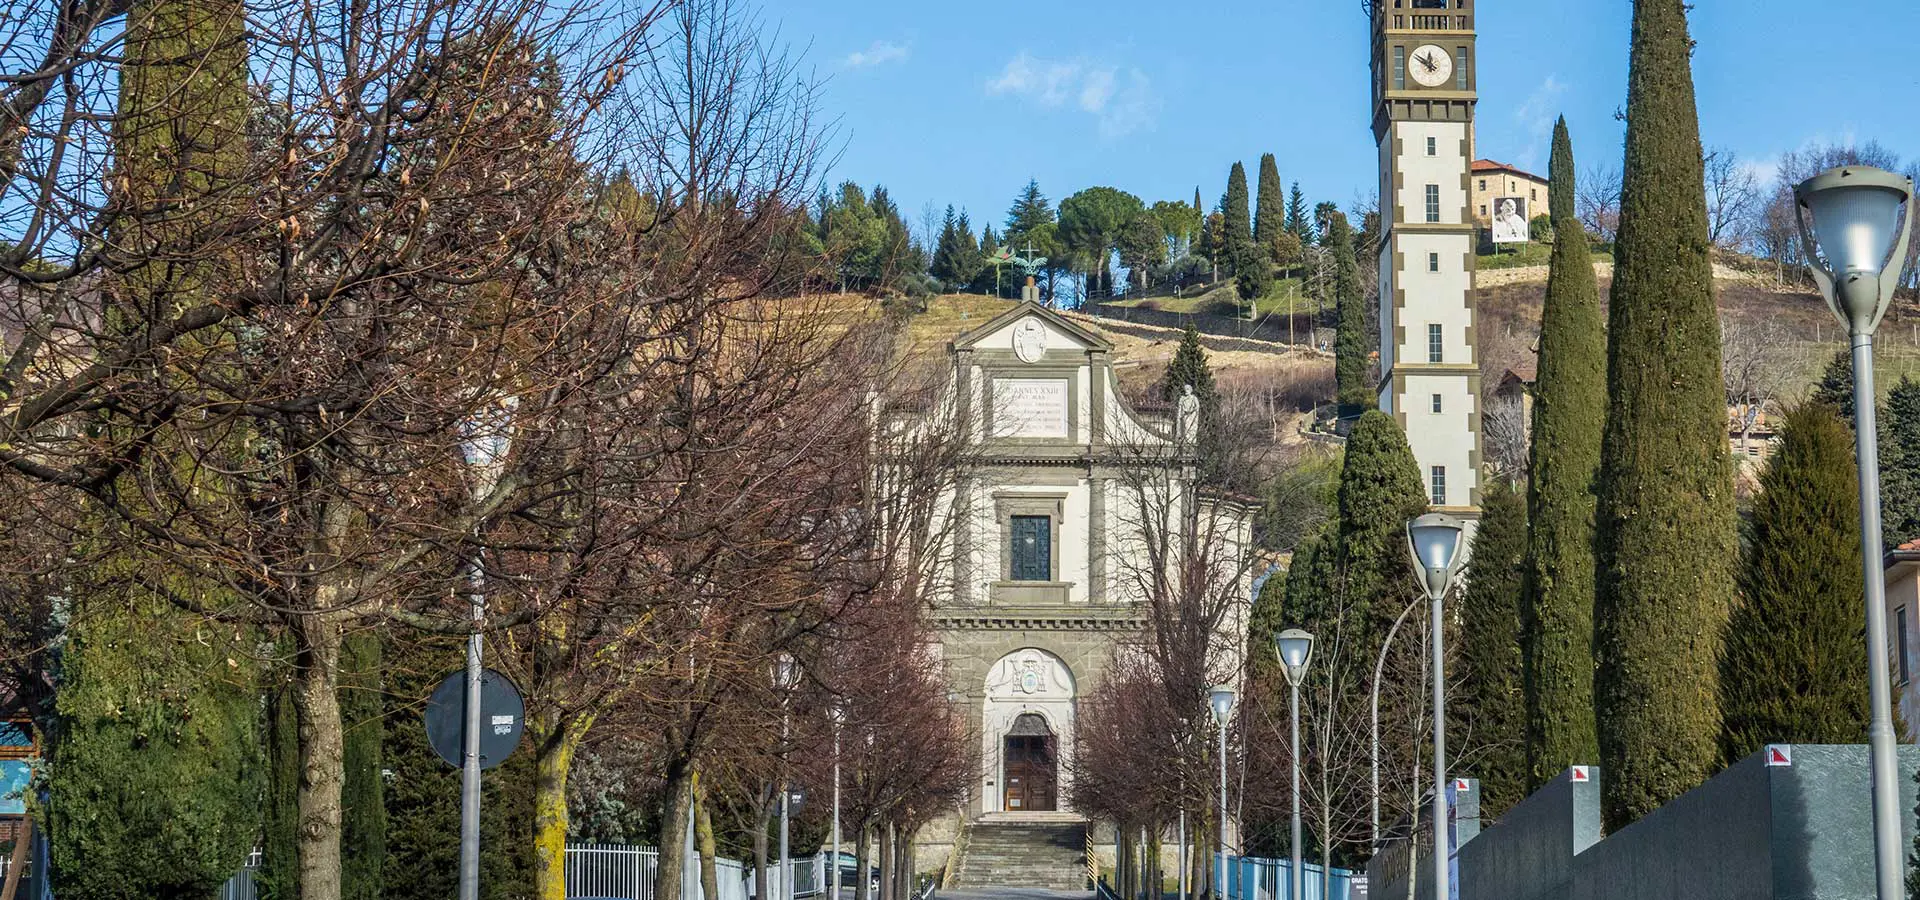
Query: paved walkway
[(1012, 893)]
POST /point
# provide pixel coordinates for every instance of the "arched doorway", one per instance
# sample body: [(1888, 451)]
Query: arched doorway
[(1026, 734), (1032, 775)]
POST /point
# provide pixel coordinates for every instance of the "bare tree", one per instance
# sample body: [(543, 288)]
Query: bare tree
[(1733, 199), (1507, 436), (1597, 200)]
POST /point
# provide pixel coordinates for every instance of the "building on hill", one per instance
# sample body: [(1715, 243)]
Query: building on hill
[(1493, 181), (1903, 621), (1041, 543)]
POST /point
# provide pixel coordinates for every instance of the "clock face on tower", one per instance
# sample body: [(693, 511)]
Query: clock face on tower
[(1430, 66)]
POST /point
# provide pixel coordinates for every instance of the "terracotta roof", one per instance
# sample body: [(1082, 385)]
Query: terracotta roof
[(1910, 545), (1488, 165)]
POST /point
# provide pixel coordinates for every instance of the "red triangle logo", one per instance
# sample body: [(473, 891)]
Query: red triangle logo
[(1779, 756)]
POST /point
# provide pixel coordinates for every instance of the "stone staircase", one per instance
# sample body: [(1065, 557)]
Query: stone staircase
[(1048, 853)]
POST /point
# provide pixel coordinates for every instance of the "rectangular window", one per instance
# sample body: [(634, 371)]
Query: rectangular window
[(1399, 68), (1436, 403), (1483, 210), (1433, 262), (1900, 630), (1460, 66), (1533, 193), (1032, 548), (1434, 344), (1439, 485), (1433, 203), (1433, 146), (1483, 186)]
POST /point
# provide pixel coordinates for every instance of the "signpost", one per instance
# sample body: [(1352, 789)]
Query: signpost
[(502, 718)]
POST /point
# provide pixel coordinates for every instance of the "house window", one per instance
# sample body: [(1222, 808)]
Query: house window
[(1439, 485), (1900, 629), (1483, 210), (1032, 548), (1433, 262), (1533, 193), (1433, 203), (1433, 146), (1434, 344), (1460, 63), (1399, 68), (1483, 187), (1436, 403)]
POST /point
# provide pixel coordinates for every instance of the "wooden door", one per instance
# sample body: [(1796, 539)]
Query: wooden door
[(1031, 774)]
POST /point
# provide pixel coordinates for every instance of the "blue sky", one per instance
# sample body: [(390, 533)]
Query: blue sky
[(962, 102)]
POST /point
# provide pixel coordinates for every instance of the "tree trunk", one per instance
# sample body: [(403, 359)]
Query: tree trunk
[(887, 862), (556, 742), (703, 838), (673, 832), (17, 861), (863, 886), (903, 863), (763, 818), (316, 700)]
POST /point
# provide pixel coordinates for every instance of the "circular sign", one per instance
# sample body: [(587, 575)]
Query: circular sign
[(502, 718)]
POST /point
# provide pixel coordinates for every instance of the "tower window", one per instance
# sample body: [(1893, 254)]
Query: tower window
[(1433, 203), (1032, 548), (1433, 146), (1439, 480), (1433, 262), (1460, 65), (1399, 68), (1436, 403), (1435, 344)]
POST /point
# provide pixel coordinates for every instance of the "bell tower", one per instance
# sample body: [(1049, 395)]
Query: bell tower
[(1423, 101)]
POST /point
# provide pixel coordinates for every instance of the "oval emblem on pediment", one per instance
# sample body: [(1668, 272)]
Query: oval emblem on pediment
[(1030, 340)]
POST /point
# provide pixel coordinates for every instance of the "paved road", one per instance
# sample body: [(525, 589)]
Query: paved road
[(1012, 893)]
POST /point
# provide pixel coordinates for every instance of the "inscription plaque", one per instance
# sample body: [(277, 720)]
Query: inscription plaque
[(1030, 407)]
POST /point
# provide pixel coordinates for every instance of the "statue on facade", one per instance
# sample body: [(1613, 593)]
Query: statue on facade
[(1186, 421)]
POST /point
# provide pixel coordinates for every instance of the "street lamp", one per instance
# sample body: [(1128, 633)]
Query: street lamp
[(1221, 700), (1295, 648), (1856, 250), (838, 713), (1434, 541), (786, 676)]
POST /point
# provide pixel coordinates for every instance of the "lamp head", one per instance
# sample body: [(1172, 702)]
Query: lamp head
[(1857, 243), (1221, 700), (1434, 541), (1295, 648)]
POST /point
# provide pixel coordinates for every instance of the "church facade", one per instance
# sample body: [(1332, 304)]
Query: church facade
[(1045, 539)]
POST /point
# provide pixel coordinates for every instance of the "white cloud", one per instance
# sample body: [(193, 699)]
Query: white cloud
[(1120, 99), (879, 54), (1535, 118)]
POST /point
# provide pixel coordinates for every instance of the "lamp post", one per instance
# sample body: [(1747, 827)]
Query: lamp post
[(838, 714), (1295, 648), (1856, 232), (1434, 541), (1221, 700), (786, 676)]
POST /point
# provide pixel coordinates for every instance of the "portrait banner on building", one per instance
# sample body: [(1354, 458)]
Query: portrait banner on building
[(1510, 220)]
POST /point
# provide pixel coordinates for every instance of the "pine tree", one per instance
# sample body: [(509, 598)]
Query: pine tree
[(1350, 334), (1270, 203), (1189, 366), (1029, 211), (1569, 415), (1299, 220), (1835, 387), (1239, 223), (1900, 464), (1493, 712), (154, 754), (1794, 668), (1666, 522)]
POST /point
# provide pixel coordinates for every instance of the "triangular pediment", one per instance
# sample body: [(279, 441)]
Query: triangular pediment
[(1003, 330)]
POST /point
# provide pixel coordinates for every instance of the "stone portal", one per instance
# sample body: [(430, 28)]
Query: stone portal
[(1028, 728)]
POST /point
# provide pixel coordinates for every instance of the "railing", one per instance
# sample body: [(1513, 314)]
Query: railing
[(614, 872), (1254, 878)]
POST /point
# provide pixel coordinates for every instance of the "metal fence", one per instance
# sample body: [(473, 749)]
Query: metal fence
[(615, 872), (1254, 878)]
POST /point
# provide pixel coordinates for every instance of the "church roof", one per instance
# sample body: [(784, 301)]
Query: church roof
[(1028, 308)]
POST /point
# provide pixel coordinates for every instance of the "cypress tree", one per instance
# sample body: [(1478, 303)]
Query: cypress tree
[(1569, 414), (277, 878), (1254, 273), (1794, 668), (1380, 490), (1239, 237), (1493, 714), (1198, 207), (1189, 366), (1350, 334), (363, 840), (1270, 206), (154, 753), (1900, 464), (1835, 387), (1666, 522)]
